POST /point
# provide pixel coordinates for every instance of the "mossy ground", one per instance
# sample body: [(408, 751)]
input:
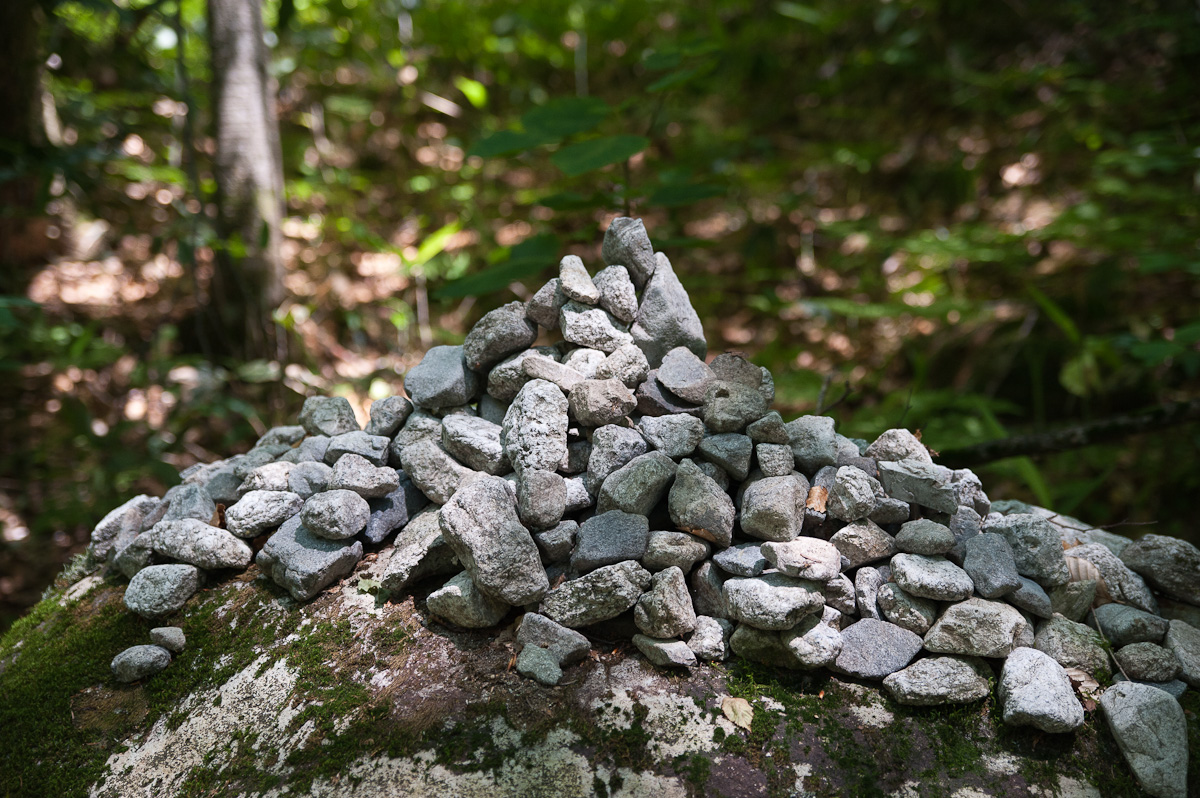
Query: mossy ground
[(62, 715)]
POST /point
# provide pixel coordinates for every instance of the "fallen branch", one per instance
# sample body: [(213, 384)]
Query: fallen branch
[(1078, 437)]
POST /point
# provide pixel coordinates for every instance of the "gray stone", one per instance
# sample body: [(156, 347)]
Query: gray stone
[(1170, 565), (288, 436), (813, 442), (867, 582), (665, 610), (139, 662), (913, 613), (420, 426), (744, 559), (665, 318), (931, 577), (637, 486), (927, 537), (161, 589), (653, 399), (534, 433), (617, 293), (303, 563), (374, 448), (969, 489), (758, 645), (596, 403), (260, 510), (575, 282), (863, 542), (189, 501), (898, 444), (732, 367), (578, 455), (543, 308), (772, 508), (627, 364), (222, 481), (586, 361), (708, 593), (716, 474), (539, 367), (731, 406), (675, 436), (977, 628), (1123, 584), (730, 451), (251, 460), (1072, 645), (535, 662), (305, 479), (393, 511), (578, 497), (418, 552), (667, 549), (813, 643), (917, 482), (853, 496), (989, 562), (566, 645), (121, 526), (1147, 662), (874, 649), (461, 603), (610, 537), (1174, 688), (598, 596), (442, 379), (1036, 547), (594, 328), (196, 543), (327, 415), (849, 454), (626, 244), (964, 525), (890, 511), (698, 505), (940, 680), (613, 446), (1031, 598), (685, 375), (388, 415), (508, 376), (1035, 691), (1074, 599), (556, 544), (492, 409), (1183, 640), (171, 638), (475, 442), (769, 429), (272, 476), (775, 459), (335, 514), (1151, 731), (1122, 625), (839, 594), (665, 653), (804, 558), (710, 641), (355, 473), (772, 601), (311, 450), (481, 524), (498, 334), (541, 498)]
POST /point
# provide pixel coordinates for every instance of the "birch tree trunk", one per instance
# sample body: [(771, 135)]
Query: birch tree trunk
[(247, 284)]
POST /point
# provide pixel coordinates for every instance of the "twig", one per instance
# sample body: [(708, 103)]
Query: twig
[(907, 407), (825, 383)]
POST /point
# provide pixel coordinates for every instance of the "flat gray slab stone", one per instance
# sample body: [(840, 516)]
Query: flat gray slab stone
[(874, 649), (305, 564)]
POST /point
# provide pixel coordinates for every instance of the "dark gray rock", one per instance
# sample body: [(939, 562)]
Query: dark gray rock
[(475, 442), (1183, 640), (394, 510), (535, 662), (543, 308), (388, 415), (418, 552), (1151, 731), (918, 482), (617, 293), (442, 379), (260, 510), (769, 429), (637, 486), (653, 399), (1170, 565), (708, 594), (890, 511), (813, 442), (1035, 691), (666, 318), (698, 505), (744, 559), (772, 508), (189, 501), (989, 562), (327, 415), (675, 435), (730, 451), (508, 376), (874, 649), (1074, 599), (335, 514), (924, 536), (161, 589), (305, 564), (534, 433), (1031, 598), (665, 610), (609, 538), (679, 549), (626, 244), (1036, 546), (556, 544), (139, 662), (461, 603), (598, 596), (374, 448), (566, 645), (731, 406), (498, 334), (1147, 662), (596, 403), (541, 498), (1123, 584)]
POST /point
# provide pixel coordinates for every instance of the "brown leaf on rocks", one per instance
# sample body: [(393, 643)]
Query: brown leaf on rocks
[(817, 496), (738, 710), (218, 518)]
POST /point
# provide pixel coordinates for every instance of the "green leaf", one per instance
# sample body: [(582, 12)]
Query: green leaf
[(681, 76), (475, 92), (568, 201), (435, 243), (800, 12), (1056, 313), (350, 107), (566, 116), (674, 196), (585, 156), (526, 259), (507, 142)]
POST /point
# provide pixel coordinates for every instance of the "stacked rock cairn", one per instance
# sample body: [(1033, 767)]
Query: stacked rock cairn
[(618, 478)]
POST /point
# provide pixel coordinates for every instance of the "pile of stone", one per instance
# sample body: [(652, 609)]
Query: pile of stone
[(618, 482)]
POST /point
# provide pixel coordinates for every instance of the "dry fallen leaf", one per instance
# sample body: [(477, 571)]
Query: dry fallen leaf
[(817, 497), (738, 710), (1087, 687)]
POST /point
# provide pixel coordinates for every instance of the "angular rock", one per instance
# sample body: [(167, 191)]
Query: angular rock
[(1035, 691), (388, 415), (441, 379), (393, 511), (1036, 546), (804, 558), (708, 594), (535, 662), (161, 589), (772, 508), (1170, 565), (924, 536), (1147, 662), (637, 486), (1122, 584), (617, 293), (627, 364), (304, 564), (498, 334), (913, 613), (653, 399), (594, 328), (534, 433), (1183, 640), (840, 596), (610, 537), (475, 442), (575, 282), (710, 641), (566, 645), (675, 436), (626, 244), (772, 601), (769, 429), (355, 473), (977, 628), (587, 361), (875, 649), (596, 403), (774, 459), (940, 680), (327, 415), (543, 308), (665, 653), (171, 638), (666, 318), (731, 406), (758, 645), (698, 505), (139, 662), (931, 577), (305, 479), (418, 552), (508, 376), (853, 496), (1072, 645), (540, 367), (813, 643), (480, 522), (666, 609), (1122, 625), (189, 501), (744, 559), (541, 498), (685, 375), (260, 510), (598, 596), (272, 476), (197, 543), (463, 604), (898, 444), (1151, 731), (556, 544), (373, 448), (1031, 598), (667, 549), (613, 446), (730, 451), (813, 442), (920, 483), (890, 511), (335, 514), (863, 542), (989, 561), (1074, 599), (121, 525)]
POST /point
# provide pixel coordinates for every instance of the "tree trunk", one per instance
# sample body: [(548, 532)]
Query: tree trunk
[(247, 284)]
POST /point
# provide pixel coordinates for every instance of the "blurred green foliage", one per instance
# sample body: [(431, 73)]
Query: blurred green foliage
[(971, 220)]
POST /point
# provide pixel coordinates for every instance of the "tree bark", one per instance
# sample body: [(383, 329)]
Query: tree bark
[(247, 283)]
